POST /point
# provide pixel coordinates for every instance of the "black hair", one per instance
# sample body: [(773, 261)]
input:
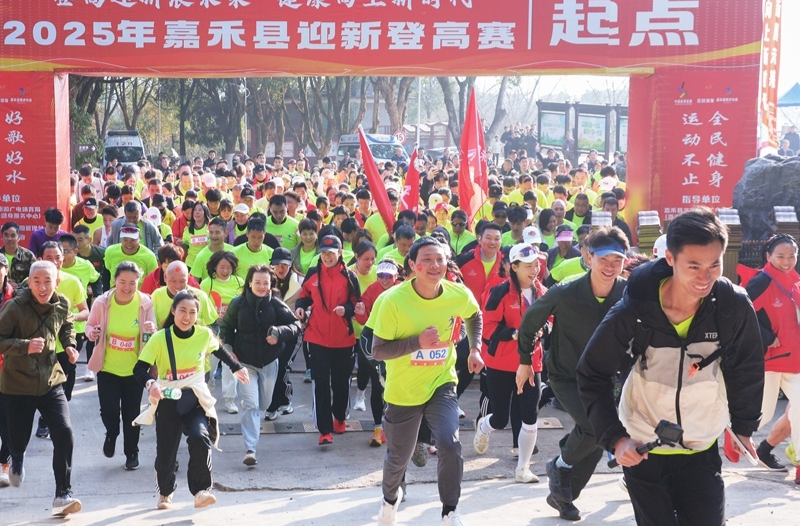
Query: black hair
[(349, 225), (517, 214), (404, 231), (611, 201), (81, 229), (213, 195), (419, 243), (70, 240), (491, 226), (331, 230), (218, 221), (542, 179), (277, 199), (307, 224), (8, 225), (603, 236), (50, 244), (53, 216), (263, 268), (459, 213), (363, 247), (773, 242), (128, 266), (206, 216), (544, 218), (186, 294), (256, 224), (698, 226)]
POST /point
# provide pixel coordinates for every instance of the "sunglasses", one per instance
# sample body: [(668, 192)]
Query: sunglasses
[(386, 275), (186, 173), (459, 225), (500, 216)]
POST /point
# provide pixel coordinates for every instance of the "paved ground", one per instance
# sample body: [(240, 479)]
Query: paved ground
[(298, 483)]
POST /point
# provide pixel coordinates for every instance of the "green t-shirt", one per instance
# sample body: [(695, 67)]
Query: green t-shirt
[(488, 265), (365, 280), (122, 337), (374, 225), (549, 239), (195, 242), (508, 239), (10, 259), (395, 256), (567, 269), (162, 303), (73, 289), (412, 379), (286, 232), (84, 271), (305, 259), (143, 258), (222, 292), (96, 223), (199, 268), (247, 258), (190, 354), (383, 251)]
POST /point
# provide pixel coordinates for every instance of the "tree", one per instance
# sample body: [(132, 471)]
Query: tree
[(455, 116), (218, 113), (180, 93), (394, 91), (133, 95)]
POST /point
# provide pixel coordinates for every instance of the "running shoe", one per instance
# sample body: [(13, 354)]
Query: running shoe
[(560, 481), (432, 450), (339, 426), (791, 454), (230, 406), (461, 413), (420, 457), (378, 438), (767, 458), (307, 377), (481, 440), (41, 430), (16, 475), (515, 452), (250, 459), (65, 504), (204, 498), (387, 515), (525, 476), (286, 409), (4, 480), (270, 416), (566, 510), (451, 519), (325, 439), (164, 502), (89, 377), (360, 404), (109, 446), (132, 462), (623, 485)]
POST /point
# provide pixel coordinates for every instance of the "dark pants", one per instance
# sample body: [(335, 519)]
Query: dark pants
[(282, 394), (368, 372), (462, 367), (20, 410), (678, 490), (5, 454), (506, 402), (578, 448), (169, 428), (331, 368), (120, 394), (69, 370), (80, 338)]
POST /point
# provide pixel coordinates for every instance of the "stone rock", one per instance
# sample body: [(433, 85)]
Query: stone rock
[(767, 182)]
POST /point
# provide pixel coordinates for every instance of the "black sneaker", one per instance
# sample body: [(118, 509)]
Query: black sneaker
[(566, 510), (560, 481), (767, 459), (132, 462), (110, 446), (42, 431)]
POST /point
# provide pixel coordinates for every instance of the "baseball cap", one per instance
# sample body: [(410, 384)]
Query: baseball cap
[(330, 244), (90, 202), (523, 253), (298, 179), (532, 235), (248, 191), (612, 247), (159, 200), (496, 191), (607, 184), (259, 169), (281, 255), (3, 261), (153, 215), (500, 207), (660, 247), (565, 235), (292, 161), (278, 181), (434, 200), (241, 208), (209, 180), (129, 231), (442, 206)]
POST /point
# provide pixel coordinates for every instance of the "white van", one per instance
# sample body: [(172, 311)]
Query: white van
[(381, 146), (125, 146)]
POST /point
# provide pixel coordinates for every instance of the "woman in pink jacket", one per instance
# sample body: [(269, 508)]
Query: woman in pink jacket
[(120, 322)]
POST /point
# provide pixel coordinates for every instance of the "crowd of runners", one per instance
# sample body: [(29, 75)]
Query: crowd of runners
[(204, 280)]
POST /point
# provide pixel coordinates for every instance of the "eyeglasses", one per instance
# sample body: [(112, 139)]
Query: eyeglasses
[(459, 225), (386, 275)]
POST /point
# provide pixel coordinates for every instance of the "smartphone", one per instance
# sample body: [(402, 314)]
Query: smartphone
[(750, 458)]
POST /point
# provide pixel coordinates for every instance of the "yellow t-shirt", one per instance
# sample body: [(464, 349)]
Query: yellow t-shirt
[(412, 379), (94, 225), (222, 292), (143, 258), (73, 289), (162, 303), (190, 354), (122, 337), (199, 268), (365, 280), (286, 232), (374, 225), (247, 258), (195, 242), (305, 259), (487, 266)]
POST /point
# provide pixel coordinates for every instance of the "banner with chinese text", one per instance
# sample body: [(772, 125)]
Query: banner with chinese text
[(770, 59), (376, 37)]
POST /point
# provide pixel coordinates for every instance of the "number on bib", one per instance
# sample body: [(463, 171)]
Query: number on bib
[(428, 357)]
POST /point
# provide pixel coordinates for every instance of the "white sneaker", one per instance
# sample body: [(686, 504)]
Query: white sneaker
[(451, 519), (481, 440), (204, 498), (461, 413), (250, 459), (89, 377), (387, 515), (360, 403), (622, 484), (4, 480), (65, 504), (230, 406), (286, 409), (270, 416), (525, 476), (515, 452), (164, 502)]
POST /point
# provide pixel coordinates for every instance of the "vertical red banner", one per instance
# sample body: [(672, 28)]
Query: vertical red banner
[(31, 179), (770, 59), (705, 133)]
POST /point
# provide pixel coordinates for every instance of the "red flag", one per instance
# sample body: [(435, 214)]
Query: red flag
[(410, 198), (473, 180), (376, 186)]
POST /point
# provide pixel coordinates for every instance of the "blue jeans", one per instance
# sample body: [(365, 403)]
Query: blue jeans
[(256, 397)]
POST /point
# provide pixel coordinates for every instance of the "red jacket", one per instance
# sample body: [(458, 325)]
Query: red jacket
[(368, 299), (474, 273), (502, 315), (152, 281), (778, 316), (323, 290)]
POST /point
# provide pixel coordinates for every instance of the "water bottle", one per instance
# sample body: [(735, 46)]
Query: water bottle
[(170, 393)]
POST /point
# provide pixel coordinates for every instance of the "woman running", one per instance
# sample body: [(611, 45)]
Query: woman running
[(120, 323), (512, 387), (195, 237), (365, 270), (179, 353)]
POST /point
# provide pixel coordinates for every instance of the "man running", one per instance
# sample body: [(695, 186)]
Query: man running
[(578, 308), (417, 326)]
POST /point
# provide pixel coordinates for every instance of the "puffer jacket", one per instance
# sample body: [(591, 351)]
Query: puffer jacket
[(502, 315), (247, 323), (323, 290), (728, 389), (22, 319)]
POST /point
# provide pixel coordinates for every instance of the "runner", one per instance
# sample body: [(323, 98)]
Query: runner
[(6, 293), (174, 351), (256, 326), (698, 363), (120, 322), (578, 308), (415, 332), (512, 387), (30, 325), (366, 272)]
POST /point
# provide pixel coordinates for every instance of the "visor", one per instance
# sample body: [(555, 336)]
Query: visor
[(129, 233), (605, 250)]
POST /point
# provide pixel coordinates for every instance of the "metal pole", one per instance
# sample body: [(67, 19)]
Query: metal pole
[(419, 107), (245, 116), (159, 115)]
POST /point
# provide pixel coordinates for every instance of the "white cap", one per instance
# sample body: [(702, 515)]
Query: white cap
[(523, 252), (660, 247), (298, 179), (279, 181), (532, 235), (434, 200), (153, 215), (607, 184), (210, 180), (241, 208)]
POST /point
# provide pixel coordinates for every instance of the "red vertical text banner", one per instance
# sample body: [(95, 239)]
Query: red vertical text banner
[(473, 170), (706, 131), (410, 198), (770, 60), (379, 195), (28, 150)]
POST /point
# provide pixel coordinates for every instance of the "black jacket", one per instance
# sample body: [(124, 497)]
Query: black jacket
[(247, 323), (659, 386)]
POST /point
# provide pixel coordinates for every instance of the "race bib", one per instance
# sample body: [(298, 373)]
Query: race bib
[(428, 357), (223, 309), (199, 240), (121, 344), (279, 238)]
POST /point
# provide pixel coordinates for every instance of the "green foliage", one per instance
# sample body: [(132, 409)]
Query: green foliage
[(84, 133)]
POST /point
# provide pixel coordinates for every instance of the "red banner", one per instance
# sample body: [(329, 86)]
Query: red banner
[(410, 198), (770, 59), (473, 172), (705, 133), (31, 182), (353, 37), (376, 186)]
